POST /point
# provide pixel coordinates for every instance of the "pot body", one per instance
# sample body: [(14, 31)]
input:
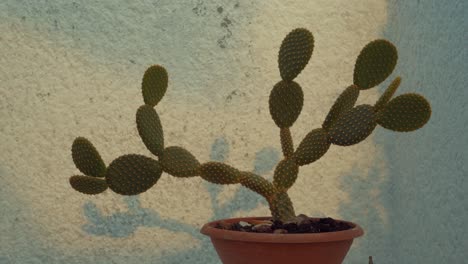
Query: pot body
[(235, 247)]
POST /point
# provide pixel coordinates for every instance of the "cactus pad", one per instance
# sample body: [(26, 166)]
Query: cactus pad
[(314, 145), (344, 102), (88, 185), (281, 207), (87, 158), (150, 129), (179, 162), (154, 84), (286, 142), (295, 52), (353, 126), (220, 173), (387, 95), (286, 100), (285, 174), (405, 113), (375, 63), (132, 174), (258, 184)]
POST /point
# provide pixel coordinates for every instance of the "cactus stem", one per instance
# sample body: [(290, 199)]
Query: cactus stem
[(286, 142)]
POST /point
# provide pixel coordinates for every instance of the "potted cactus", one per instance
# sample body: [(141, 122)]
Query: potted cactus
[(284, 236)]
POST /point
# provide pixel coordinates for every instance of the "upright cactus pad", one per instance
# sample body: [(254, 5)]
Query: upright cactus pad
[(286, 141), (405, 113), (154, 84), (387, 95), (220, 173), (179, 162), (87, 158), (88, 185), (295, 52), (375, 63), (150, 129), (132, 174), (258, 184), (314, 145), (285, 174), (286, 100), (344, 102), (353, 126)]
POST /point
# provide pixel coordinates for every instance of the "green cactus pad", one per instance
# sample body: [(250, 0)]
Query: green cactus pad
[(295, 52), (285, 174), (353, 126), (281, 207), (344, 102), (220, 173), (154, 84), (150, 129), (405, 113), (286, 101), (375, 63), (179, 162), (88, 185), (314, 145), (258, 184), (286, 142), (87, 158), (133, 174), (387, 95)]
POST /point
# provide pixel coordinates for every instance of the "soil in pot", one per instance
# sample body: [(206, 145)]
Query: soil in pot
[(301, 225)]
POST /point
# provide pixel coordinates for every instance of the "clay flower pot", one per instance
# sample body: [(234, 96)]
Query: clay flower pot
[(235, 247)]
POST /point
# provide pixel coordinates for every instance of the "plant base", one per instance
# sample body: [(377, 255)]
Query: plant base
[(234, 247)]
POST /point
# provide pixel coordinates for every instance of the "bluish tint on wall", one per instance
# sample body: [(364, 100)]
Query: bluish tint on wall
[(426, 193)]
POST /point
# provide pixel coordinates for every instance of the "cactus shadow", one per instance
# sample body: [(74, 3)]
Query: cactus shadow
[(124, 224)]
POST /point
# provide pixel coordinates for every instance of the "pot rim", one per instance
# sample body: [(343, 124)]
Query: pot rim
[(210, 230)]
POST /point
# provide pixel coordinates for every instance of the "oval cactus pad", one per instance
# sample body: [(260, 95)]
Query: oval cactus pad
[(353, 126), (154, 84), (87, 158), (88, 185), (405, 113), (132, 174), (375, 63), (286, 101)]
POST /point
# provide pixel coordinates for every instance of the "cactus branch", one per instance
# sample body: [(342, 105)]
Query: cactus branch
[(287, 144)]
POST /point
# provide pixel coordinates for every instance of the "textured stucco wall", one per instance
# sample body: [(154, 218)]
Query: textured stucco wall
[(73, 69)]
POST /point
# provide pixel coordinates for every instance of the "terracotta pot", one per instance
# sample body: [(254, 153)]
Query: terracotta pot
[(235, 247)]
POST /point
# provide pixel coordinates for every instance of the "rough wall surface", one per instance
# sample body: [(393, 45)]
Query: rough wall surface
[(72, 69)]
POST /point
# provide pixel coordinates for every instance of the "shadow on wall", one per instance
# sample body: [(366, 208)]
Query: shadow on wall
[(124, 224)]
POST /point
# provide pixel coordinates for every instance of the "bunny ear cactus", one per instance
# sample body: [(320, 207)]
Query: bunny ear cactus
[(345, 124)]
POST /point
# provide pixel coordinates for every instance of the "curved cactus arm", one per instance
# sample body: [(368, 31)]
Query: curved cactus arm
[(281, 207), (285, 174), (87, 158), (154, 84), (220, 173), (179, 162), (258, 184)]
